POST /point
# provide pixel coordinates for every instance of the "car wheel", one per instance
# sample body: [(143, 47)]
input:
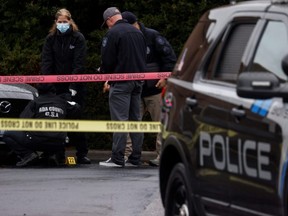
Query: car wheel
[(178, 193), (285, 200)]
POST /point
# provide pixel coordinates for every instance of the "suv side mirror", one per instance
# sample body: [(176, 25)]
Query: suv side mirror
[(260, 85), (285, 64)]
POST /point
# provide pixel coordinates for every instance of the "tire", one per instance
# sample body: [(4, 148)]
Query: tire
[(178, 199), (285, 201)]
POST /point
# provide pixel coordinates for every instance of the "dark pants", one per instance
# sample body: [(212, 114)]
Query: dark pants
[(76, 139), (124, 104), (23, 144)]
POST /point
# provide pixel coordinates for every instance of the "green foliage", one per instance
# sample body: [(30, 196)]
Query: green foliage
[(22, 36), (24, 25), (174, 19)]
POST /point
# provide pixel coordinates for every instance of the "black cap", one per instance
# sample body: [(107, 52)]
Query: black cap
[(129, 16)]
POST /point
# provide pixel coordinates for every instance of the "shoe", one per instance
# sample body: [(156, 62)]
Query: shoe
[(52, 161), (47, 159), (60, 157), (28, 159), (154, 162), (83, 160), (128, 163), (109, 163)]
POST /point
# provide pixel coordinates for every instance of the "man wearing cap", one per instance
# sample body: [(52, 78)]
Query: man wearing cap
[(160, 57), (123, 51)]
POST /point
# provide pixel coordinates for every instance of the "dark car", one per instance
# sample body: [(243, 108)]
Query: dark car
[(225, 115), (13, 99)]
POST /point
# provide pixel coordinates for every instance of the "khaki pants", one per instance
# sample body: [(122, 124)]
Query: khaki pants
[(153, 105)]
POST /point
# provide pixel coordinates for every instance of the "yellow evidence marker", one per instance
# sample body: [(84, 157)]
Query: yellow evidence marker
[(70, 161)]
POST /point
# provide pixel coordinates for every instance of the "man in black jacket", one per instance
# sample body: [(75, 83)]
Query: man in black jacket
[(47, 106), (64, 52), (123, 51), (160, 57)]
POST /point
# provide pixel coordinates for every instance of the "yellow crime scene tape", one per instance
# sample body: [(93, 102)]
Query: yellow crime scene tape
[(51, 125)]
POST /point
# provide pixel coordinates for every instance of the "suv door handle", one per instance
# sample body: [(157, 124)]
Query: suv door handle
[(239, 113), (191, 102)]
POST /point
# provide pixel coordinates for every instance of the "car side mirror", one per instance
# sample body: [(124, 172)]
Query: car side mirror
[(285, 64), (260, 85)]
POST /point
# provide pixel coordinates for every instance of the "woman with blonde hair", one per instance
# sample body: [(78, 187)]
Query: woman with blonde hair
[(64, 52), (67, 15)]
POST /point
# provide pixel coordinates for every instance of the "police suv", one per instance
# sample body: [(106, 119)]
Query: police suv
[(225, 115)]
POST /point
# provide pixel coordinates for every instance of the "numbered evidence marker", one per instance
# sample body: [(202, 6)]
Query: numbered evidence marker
[(70, 161)]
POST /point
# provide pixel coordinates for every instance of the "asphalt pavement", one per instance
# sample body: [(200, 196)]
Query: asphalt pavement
[(81, 190), (55, 190)]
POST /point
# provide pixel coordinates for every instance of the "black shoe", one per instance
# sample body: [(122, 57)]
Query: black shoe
[(129, 163), (28, 159), (44, 158), (83, 160), (50, 160), (60, 158)]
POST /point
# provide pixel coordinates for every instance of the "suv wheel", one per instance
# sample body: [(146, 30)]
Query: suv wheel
[(178, 201), (285, 200)]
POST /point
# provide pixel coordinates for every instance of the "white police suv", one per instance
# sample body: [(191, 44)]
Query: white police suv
[(225, 115)]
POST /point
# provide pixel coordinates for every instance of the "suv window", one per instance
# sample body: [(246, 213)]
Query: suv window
[(229, 52), (271, 51)]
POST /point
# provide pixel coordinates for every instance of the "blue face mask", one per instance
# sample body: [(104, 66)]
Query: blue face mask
[(63, 27)]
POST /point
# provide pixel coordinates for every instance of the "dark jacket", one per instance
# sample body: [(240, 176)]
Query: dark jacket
[(64, 54), (160, 57), (50, 106), (123, 49)]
